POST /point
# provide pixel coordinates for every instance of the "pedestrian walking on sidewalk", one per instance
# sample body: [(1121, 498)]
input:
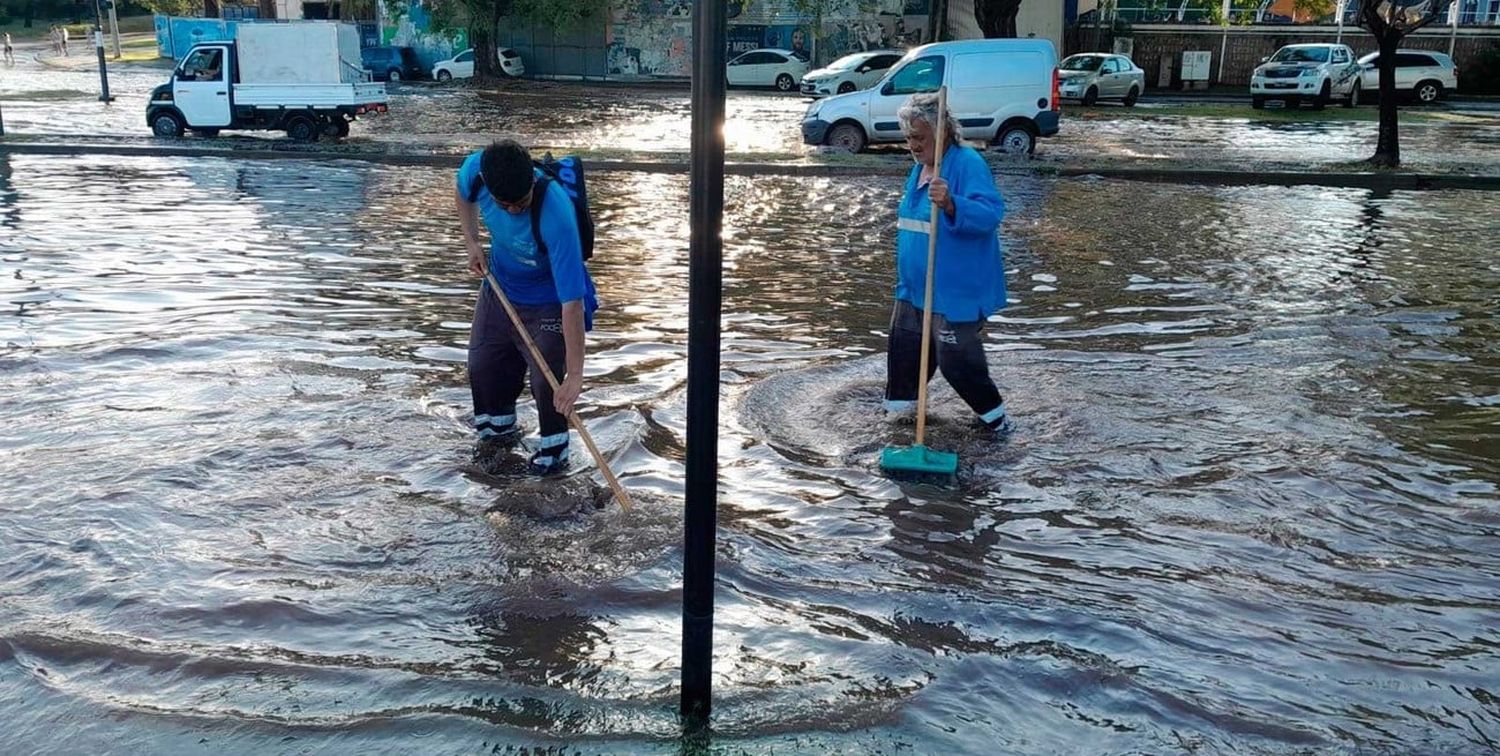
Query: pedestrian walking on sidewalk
[(10, 52), (65, 41)]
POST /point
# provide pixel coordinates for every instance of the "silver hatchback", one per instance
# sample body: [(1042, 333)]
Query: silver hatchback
[(1090, 77)]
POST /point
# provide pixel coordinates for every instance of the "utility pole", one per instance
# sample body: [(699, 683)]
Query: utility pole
[(705, 304), (99, 48)]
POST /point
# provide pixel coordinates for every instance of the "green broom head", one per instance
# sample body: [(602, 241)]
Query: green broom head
[(919, 461)]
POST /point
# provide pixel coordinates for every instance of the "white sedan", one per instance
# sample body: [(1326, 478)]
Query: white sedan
[(850, 73), (766, 68), (461, 66)]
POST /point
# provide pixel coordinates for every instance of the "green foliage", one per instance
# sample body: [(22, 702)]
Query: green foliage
[(561, 14), (172, 7), (1313, 10), (1482, 76)]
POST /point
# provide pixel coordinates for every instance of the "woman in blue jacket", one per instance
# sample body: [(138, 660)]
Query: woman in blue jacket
[(969, 275)]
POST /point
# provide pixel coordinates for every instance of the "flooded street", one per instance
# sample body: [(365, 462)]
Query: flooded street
[(1252, 505), (653, 121)]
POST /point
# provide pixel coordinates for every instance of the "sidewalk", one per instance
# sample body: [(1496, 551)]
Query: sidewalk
[(136, 49)]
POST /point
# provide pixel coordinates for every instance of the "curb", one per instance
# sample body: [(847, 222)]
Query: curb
[(1349, 180)]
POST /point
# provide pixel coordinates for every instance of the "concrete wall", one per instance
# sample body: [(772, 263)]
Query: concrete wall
[(653, 38)]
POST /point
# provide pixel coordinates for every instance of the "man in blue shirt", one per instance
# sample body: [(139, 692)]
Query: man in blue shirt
[(546, 281)]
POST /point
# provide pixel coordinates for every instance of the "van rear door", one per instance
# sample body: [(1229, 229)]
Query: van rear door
[(989, 87)]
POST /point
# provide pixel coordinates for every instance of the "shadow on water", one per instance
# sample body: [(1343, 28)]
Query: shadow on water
[(1251, 506)]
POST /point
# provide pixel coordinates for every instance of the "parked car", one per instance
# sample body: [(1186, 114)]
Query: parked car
[(1424, 74), (461, 66), (766, 68), (1002, 91), (850, 73), (1091, 77), (391, 63), (1312, 73)]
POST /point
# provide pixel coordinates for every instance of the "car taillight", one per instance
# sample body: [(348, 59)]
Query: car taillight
[(1056, 90), (359, 110)]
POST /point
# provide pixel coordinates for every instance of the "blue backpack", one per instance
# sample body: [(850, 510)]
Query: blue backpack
[(568, 173)]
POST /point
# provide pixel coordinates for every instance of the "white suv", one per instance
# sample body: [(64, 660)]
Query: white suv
[(1314, 73), (1425, 74)]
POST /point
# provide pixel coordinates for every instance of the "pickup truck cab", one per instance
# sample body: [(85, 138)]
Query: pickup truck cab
[(1307, 73), (281, 77)]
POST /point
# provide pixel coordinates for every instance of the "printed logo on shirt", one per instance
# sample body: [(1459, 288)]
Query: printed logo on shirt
[(523, 251), (550, 326), (947, 336)]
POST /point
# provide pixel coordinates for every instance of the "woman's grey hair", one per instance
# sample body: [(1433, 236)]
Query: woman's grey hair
[(924, 107)]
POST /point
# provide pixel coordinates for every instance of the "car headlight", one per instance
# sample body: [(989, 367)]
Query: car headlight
[(813, 110), (1308, 73)]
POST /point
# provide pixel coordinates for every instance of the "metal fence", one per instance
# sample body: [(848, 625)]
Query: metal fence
[(1267, 12)]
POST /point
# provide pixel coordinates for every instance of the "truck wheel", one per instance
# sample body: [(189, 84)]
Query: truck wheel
[(336, 128), (1352, 101), (1324, 95), (167, 125), (302, 129), (393, 74), (445, 75), (846, 136)]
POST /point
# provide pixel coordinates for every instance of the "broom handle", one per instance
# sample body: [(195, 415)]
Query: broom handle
[(937, 170), (577, 422)]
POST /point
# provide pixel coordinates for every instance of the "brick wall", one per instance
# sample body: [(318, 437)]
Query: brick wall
[(1247, 45)]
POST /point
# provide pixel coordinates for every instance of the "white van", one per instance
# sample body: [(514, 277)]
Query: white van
[(1003, 91)]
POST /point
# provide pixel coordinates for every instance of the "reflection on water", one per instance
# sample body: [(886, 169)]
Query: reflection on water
[(1252, 505)]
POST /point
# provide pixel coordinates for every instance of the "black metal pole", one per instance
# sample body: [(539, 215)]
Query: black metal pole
[(705, 295), (99, 47)]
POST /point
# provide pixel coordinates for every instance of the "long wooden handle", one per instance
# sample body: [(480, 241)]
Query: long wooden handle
[(941, 127), (573, 418)]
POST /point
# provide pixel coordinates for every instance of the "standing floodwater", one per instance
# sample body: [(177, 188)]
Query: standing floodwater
[(1251, 504)]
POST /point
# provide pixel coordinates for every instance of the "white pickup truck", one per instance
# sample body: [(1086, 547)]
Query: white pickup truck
[(304, 78)]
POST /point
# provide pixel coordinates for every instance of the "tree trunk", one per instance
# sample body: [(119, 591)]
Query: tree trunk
[(997, 18), (1388, 147), (937, 20), (482, 39)]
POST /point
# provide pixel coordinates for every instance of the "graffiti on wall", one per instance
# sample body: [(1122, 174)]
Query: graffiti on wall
[(649, 38), (654, 37), (746, 37), (414, 29)]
